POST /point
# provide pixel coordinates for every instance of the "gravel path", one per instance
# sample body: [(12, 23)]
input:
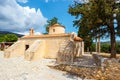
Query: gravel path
[(20, 69)]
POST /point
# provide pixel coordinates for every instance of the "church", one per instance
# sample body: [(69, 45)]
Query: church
[(35, 47)]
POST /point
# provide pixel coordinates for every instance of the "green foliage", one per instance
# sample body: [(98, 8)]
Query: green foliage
[(105, 47), (92, 47), (88, 44), (95, 16), (51, 22), (2, 38), (118, 48), (87, 39), (8, 38), (95, 19), (47, 30)]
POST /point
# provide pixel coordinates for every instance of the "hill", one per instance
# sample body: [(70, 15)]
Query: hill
[(7, 32)]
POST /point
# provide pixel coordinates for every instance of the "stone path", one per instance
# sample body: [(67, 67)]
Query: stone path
[(86, 60), (20, 69)]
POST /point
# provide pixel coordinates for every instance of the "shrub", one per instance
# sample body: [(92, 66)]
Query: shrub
[(8, 38), (105, 47), (92, 47), (118, 48)]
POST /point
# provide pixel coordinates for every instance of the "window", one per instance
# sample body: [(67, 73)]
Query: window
[(53, 30), (26, 47)]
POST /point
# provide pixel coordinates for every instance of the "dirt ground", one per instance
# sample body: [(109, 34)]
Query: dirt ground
[(111, 70), (20, 69)]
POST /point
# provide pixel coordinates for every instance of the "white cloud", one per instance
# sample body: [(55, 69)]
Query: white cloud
[(14, 17), (46, 1), (27, 33), (83, 1), (23, 1), (37, 33), (23, 33)]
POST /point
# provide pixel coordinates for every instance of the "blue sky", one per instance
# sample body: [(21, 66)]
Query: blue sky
[(21, 15), (55, 8)]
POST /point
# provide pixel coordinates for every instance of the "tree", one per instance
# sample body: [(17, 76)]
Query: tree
[(97, 17), (2, 38), (51, 22), (11, 37), (8, 38), (87, 39)]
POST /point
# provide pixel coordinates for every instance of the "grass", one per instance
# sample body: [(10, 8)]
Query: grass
[(107, 55)]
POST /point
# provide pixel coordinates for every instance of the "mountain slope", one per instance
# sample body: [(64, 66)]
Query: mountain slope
[(6, 32)]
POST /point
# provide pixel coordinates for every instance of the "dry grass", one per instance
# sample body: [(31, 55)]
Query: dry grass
[(112, 72), (107, 55)]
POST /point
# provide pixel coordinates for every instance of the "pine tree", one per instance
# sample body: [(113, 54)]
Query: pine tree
[(51, 22), (97, 17)]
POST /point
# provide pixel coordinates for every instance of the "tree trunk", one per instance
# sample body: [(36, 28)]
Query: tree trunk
[(113, 42), (99, 44), (96, 45)]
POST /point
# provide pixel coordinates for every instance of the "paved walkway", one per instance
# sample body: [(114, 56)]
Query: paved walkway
[(20, 69)]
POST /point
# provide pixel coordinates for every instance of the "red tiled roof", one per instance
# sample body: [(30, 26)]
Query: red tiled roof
[(78, 39)]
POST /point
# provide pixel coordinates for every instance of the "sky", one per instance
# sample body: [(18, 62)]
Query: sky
[(21, 15)]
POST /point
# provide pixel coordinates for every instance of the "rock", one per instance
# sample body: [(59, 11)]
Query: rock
[(68, 68), (111, 72)]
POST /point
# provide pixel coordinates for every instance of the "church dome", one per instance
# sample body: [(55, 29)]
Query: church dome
[(56, 29)]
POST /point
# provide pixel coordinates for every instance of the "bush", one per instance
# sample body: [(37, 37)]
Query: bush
[(105, 47), (118, 48), (8, 38), (92, 47)]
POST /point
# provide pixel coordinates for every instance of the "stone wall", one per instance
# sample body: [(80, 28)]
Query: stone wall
[(65, 53), (103, 63), (36, 50), (16, 49), (48, 48), (51, 45), (68, 51), (98, 59)]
